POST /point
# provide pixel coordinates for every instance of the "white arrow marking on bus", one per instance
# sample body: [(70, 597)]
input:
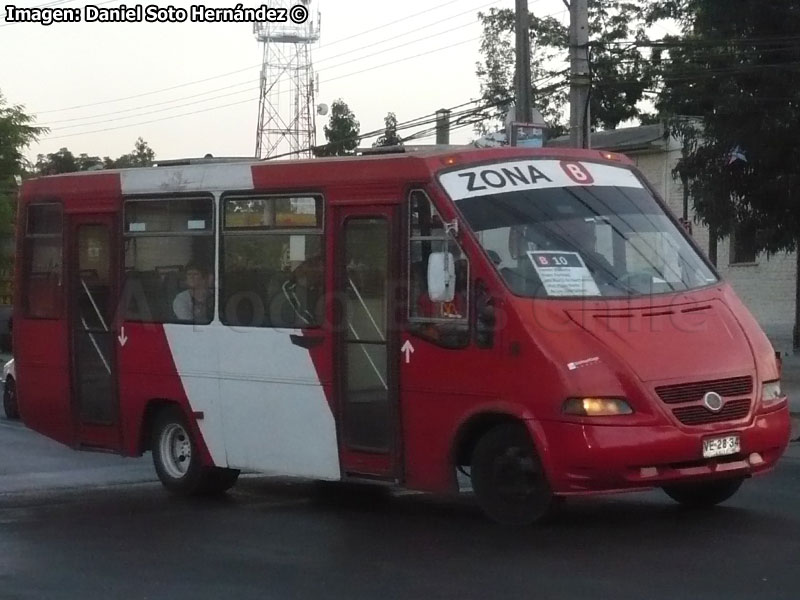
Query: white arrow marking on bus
[(122, 337), (408, 349)]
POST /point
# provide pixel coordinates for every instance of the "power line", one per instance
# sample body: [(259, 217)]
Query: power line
[(254, 99), (48, 124), (188, 83), (697, 42), (416, 122), (140, 114), (239, 84)]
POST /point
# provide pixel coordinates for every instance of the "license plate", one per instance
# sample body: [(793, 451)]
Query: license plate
[(721, 446)]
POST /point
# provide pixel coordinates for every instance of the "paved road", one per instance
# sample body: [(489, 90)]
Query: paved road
[(95, 526)]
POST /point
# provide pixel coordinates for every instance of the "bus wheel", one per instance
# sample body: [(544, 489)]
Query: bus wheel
[(507, 476), (10, 399), (176, 462), (699, 495)]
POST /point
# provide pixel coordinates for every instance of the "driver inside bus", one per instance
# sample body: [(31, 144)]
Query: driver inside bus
[(579, 235), (196, 302)]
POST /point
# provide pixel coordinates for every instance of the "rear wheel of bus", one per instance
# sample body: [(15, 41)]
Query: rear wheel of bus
[(705, 494), (177, 461), (508, 478)]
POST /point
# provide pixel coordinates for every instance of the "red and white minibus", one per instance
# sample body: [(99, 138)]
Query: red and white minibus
[(533, 318)]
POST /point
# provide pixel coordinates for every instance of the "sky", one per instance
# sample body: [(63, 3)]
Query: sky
[(191, 88)]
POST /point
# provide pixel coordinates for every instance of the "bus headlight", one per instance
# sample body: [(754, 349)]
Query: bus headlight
[(596, 407), (771, 394)]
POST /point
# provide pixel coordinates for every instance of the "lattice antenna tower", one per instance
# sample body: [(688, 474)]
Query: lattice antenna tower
[(286, 115)]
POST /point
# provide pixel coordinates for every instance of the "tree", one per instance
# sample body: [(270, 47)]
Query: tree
[(341, 132), (17, 131), (620, 72), (390, 137), (734, 69), (64, 161), (142, 156)]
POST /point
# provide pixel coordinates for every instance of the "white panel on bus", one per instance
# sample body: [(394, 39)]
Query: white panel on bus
[(165, 180)]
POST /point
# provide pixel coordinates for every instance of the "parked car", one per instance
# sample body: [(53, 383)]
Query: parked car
[(10, 391)]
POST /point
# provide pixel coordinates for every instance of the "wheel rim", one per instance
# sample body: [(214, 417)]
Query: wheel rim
[(515, 475), (176, 450)]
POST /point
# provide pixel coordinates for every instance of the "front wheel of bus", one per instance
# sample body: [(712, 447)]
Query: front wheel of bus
[(176, 459), (508, 478), (702, 495)]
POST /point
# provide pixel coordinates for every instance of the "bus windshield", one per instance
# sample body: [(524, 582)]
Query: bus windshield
[(549, 237)]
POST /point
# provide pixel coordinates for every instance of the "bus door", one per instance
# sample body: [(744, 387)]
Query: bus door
[(366, 352), (93, 300)]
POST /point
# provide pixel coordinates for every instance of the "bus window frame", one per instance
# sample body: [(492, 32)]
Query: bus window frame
[(321, 231), (125, 235), (420, 326), (634, 169), (57, 314)]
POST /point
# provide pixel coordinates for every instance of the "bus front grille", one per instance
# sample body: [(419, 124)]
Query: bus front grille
[(733, 410), (694, 392)]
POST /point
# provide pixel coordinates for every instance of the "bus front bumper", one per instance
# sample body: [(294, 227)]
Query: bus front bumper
[(584, 458)]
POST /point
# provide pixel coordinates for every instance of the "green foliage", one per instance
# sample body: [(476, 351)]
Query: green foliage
[(620, 73), (142, 156), (390, 137), (734, 70), (64, 161), (16, 133), (341, 132), (497, 67)]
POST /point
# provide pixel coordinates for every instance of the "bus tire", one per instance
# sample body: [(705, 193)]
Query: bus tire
[(219, 480), (508, 478), (177, 462), (705, 494), (10, 405)]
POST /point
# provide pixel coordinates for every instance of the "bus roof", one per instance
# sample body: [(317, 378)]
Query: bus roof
[(380, 171)]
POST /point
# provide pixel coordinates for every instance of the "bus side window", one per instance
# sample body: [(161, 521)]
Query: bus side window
[(42, 273), (272, 261), (443, 323), (169, 261)]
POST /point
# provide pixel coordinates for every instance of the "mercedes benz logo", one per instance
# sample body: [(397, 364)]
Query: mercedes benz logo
[(712, 401)]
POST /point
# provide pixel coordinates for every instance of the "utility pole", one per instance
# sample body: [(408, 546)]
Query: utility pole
[(580, 81), (443, 126), (523, 112)]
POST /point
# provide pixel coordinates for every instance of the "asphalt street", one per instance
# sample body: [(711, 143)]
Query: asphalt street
[(77, 525)]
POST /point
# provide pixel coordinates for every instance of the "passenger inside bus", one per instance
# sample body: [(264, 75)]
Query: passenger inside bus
[(579, 235), (196, 302)]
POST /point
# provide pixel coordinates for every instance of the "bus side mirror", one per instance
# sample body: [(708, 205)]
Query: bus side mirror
[(485, 317), (441, 277)]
